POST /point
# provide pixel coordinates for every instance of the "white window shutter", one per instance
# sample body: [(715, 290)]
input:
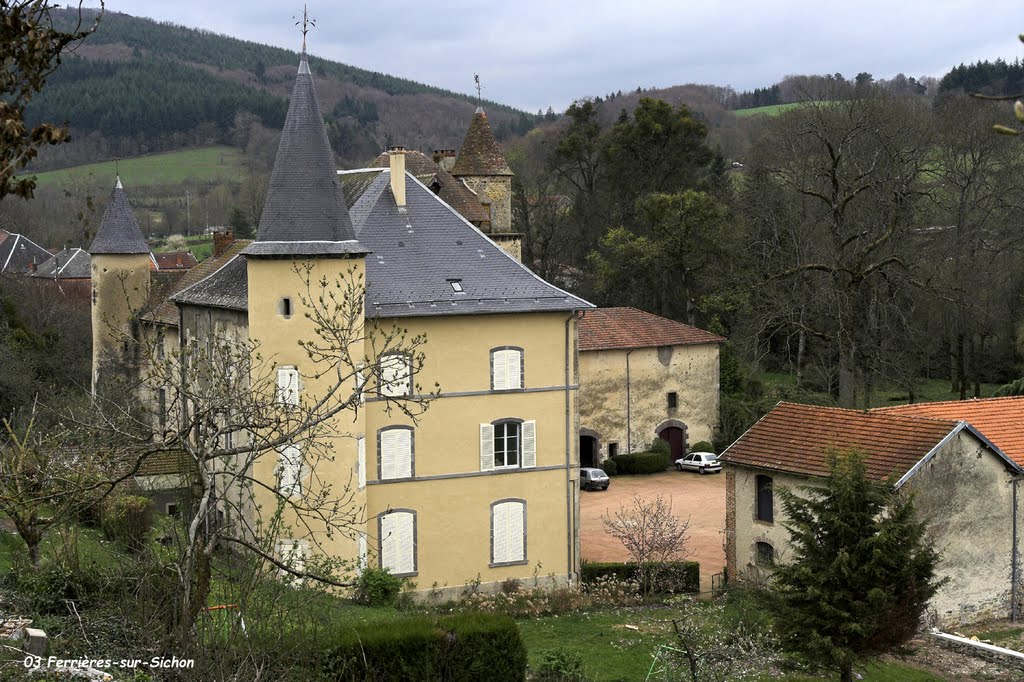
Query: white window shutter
[(406, 560), (397, 544), (395, 377), (529, 444), (388, 542), (293, 387), (387, 456), (361, 463), (486, 447), (514, 368), (499, 376), (499, 532), (290, 471), (361, 385), (363, 553), (282, 385), (403, 453), (516, 517)]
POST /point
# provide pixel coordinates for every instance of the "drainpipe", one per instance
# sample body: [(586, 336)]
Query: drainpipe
[(629, 412), (1014, 562), (570, 526)]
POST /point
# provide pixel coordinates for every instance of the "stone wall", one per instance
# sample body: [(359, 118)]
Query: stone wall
[(497, 188)]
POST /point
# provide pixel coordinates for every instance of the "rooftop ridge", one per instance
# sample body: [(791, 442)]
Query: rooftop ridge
[(119, 231)]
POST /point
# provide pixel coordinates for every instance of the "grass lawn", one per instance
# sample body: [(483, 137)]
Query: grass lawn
[(770, 110), (927, 390), (207, 164)]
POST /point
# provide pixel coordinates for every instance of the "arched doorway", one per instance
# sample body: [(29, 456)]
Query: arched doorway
[(590, 454), (673, 431)]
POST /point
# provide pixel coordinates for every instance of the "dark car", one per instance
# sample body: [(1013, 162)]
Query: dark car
[(593, 479)]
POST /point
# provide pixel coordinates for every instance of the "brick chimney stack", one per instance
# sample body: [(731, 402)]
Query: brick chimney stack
[(221, 242)]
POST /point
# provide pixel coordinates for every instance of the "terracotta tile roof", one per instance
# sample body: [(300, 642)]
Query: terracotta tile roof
[(798, 439), (609, 328), (175, 260), (1001, 420), (480, 153)]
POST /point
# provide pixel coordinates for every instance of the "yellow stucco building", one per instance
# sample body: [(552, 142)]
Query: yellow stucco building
[(483, 486)]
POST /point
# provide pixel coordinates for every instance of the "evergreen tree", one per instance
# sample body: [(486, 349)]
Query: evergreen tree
[(240, 225), (862, 571)]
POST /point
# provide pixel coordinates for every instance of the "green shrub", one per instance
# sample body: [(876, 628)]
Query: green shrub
[(702, 446), (377, 587), (458, 648), (610, 466), (561, 665), (643, 463), (660, 445), (128, 519), (671, 577)]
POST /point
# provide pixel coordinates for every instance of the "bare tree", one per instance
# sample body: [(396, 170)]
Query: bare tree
[(651, 534), (222, 414)]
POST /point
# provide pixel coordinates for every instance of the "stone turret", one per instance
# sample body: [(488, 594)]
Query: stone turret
[(120, 266), (481, 166)]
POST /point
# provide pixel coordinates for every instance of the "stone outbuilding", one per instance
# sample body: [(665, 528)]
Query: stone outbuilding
[(963, 482), (642, 377)]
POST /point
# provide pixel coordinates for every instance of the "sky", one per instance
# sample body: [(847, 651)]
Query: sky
[(533, 54)]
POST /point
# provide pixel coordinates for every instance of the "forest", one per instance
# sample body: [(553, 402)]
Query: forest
[(867, 244)]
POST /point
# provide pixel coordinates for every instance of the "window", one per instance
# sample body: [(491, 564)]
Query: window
[(395, 375), (508, 444), (397, 532), (394, 453), (673, 400), (289, 471), (506, 369), (292, 554), (361, 384), (765, 499), (288, 385), (456, 286), (613, 449), (361, 461), (764, 554), (284, 308), (363, 553), (171, 508), (161, 396), (160, 350), (508, 532)]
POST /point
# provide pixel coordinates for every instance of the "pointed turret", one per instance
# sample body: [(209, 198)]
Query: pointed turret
[(119, 267), (119, 230), (305, 212), (481, 154)]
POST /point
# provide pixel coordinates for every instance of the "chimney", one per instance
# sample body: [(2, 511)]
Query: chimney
[(221, 242), (397, 158), (445, 158)]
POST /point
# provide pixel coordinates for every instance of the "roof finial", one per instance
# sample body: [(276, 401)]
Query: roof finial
[(479, 97), (306, 23)]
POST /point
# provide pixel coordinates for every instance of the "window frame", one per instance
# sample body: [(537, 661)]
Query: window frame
[(672, 400), (380, 452), (522, 368), (415, 540), (282, 396), (764, 511), (519, 442), (516, 562), (764, 558), (385, 389), (297, 488)]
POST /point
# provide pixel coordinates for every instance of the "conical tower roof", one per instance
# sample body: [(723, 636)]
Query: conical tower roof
[(305, 212), (480, 153), (119, 231)]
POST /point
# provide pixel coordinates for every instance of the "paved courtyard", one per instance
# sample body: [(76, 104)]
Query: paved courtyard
[(701, 498)]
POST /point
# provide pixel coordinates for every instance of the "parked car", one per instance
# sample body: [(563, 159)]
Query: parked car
[(593, 479), (703, 462)]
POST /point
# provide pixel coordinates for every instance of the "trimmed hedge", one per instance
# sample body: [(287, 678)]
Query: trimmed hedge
[(610, 466), (458, 648), (643, 463), (672, 576), (702, 446)]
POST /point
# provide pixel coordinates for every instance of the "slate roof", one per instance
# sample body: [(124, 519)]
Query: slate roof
[(226, 287), (451, 190), (1000, 419), (18, 253), (798, 439), (613, 328), (480, 154), (417, 250), (162, 308), (119, 231), (67, 264), (305, 212)]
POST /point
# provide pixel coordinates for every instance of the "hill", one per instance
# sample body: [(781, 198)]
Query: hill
[(138, 86), (208, 164)]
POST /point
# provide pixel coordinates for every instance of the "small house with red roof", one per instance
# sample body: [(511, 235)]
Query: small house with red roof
[(963, 481), (643, 377)]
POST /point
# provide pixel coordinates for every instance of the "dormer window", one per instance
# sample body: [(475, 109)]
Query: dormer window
[(456, 286)]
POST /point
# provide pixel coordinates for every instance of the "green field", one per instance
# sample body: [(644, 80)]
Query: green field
[(208, 164), (770, 110)]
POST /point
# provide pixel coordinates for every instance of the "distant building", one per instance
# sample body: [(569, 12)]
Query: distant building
[(68, 272), (19, 255), (644, 377), (174, 261)]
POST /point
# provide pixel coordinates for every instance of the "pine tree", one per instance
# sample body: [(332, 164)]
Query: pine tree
[(861, 572)]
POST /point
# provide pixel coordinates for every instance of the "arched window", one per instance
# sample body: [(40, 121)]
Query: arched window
[(506, 368), (508, 444), (396, 531), (395, 452), (764, 554)]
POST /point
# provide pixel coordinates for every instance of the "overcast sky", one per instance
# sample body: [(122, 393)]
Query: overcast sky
[(538, 53)]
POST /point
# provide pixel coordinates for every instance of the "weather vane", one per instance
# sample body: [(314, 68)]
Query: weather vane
[(479, 97), (306, 23)]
